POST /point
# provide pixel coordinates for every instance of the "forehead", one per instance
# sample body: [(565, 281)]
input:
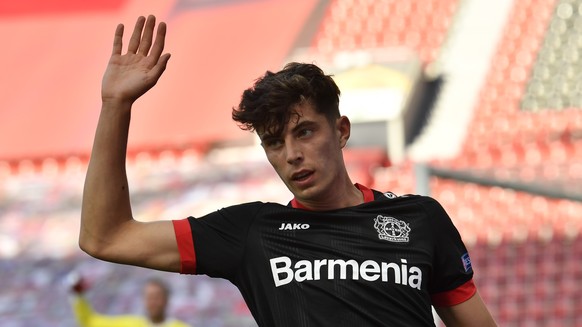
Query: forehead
[(153, 288)]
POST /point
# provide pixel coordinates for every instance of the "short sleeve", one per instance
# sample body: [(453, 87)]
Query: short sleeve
[(185, 243), (452, 278), (217, 240)]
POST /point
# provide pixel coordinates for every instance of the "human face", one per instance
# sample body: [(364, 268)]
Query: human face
[(155, 300), (307, 156)]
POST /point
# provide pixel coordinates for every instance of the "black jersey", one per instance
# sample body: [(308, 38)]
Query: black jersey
[(381, 263)]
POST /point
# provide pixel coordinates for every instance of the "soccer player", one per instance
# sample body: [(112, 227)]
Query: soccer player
[(156, 295), (339, 254)]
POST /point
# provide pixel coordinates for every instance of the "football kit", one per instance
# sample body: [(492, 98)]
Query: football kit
[(380, 263)]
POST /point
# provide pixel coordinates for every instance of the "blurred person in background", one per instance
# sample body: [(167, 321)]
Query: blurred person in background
[(339, 254), (155, 297)]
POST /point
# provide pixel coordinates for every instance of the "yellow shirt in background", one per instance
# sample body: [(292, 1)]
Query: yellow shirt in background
[(86, 317)]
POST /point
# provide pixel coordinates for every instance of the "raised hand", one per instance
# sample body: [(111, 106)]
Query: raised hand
[(130, 75), (76, 283)]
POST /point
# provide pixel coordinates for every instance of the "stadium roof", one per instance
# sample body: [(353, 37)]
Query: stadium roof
[(55, 57)]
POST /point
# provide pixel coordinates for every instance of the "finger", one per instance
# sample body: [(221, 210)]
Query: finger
[(146, 38), (136, 36), (159, 43), (118, 40), (160, 67)]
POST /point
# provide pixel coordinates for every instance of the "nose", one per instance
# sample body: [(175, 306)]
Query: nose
[(293, 152)]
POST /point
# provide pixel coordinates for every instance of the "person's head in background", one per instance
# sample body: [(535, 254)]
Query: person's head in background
[(156, 295)]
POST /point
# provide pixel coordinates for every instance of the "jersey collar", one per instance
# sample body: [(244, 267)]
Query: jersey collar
[(366, 192)]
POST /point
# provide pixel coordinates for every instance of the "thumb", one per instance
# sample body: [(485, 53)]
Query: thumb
[(160, 67)]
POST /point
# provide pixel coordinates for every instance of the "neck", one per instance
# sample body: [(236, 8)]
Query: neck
[(347, 196), (158, 319)]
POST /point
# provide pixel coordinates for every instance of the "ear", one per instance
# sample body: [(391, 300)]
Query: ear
[(343, 128)]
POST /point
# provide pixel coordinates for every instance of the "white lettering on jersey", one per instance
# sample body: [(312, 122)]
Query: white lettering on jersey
[(284, 272), (288, 226)]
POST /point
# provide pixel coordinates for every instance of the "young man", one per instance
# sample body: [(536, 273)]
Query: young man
[(156, 295), (339, 254)]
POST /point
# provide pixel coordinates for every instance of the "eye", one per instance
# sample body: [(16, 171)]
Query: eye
[(305, 132), (272, 143)]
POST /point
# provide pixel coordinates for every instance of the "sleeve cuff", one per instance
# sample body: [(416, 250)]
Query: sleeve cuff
[(455, 296), (185, 241)]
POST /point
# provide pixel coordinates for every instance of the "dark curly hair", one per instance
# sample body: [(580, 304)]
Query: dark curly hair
[(267, 105)]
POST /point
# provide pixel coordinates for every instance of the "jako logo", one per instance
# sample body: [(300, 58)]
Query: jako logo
[(288, 226)]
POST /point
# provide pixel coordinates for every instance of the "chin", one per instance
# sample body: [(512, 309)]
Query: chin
[(309, 193)]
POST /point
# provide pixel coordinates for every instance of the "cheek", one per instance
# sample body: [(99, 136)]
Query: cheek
[(329, 156), (328, 150), (274, 159), (275, 163)]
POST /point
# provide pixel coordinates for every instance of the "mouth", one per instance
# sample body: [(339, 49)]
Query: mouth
[(301, 175)]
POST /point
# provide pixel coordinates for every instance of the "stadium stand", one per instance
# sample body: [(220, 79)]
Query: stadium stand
[(519, 212), (356, 24), (524, 242), (38, 238), (525, 132)]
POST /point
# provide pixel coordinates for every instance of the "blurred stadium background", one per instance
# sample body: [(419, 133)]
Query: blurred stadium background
[(475, 102)]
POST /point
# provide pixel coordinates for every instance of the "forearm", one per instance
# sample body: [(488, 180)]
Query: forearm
[(106, 204), (82, 310)]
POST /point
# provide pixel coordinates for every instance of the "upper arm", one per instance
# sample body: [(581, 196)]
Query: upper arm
[(472, 312), (145, 244), (453, 292)]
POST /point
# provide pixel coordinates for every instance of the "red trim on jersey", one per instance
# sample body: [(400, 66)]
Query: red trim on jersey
[(185, 242), (366, 192), (454, 297)]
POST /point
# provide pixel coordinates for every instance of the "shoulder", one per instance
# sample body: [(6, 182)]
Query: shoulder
[(256, 206), (404, 198), (240, 214), (253, 208), (248, 209), (177, 323), (123, 320), (418, 203)]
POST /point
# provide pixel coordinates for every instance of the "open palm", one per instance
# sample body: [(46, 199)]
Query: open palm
[(130, 75)]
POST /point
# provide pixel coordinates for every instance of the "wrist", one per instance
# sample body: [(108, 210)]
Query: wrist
[(116, 105), (117, 101)]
